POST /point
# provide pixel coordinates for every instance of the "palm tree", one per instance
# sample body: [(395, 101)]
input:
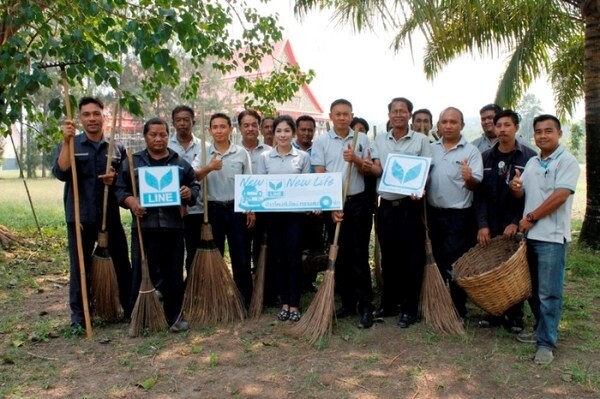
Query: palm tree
[(556, 38)]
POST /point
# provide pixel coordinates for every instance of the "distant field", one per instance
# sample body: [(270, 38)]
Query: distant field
[(47, 194)]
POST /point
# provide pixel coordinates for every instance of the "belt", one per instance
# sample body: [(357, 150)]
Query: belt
[(222, 203), (397, 202), (355, 197)]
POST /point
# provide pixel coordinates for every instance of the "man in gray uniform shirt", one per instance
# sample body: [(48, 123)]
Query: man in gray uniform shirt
[(333, 152)]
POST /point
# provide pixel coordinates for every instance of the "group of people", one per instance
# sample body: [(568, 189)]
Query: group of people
[(497, 185)]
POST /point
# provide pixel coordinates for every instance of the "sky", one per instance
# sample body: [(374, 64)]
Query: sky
[(363, 68)]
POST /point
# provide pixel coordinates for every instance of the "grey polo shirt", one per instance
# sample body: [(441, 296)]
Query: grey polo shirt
[(540, 179), (483, 143), (221, 183), (413, 143), (194, 151), (256, 152), (273, 163), (327, 152), (446, 185)]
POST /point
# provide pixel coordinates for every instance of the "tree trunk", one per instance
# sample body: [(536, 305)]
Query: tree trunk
[(590, 232)]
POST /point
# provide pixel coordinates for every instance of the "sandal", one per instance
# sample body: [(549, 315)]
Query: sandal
[(283, 315), (295, 316)]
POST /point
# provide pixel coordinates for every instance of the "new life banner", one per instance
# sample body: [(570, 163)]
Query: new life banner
[(285, 193), (405, 174), (159, 186)]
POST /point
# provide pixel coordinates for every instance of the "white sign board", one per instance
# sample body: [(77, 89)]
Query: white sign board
[(405, 174), (159, 186), (285, 193)]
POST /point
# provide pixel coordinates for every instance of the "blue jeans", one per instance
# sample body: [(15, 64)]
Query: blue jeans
[(547, 262)]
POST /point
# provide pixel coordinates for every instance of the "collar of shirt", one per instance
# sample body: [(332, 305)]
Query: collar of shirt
[(461, 143), (275, 154), (173, 140), (390, 135), (334, 135), (231, 150), (296, 146), (557, 153)]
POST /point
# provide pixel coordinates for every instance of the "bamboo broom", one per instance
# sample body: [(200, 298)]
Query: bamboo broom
[(211, 295), (78, 238), (436, 303), (148, 314), (104, 286), (317, 321)]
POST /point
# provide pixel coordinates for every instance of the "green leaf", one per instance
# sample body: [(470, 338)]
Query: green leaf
[(148, 383)]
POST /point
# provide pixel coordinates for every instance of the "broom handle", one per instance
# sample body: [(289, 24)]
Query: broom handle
[(109, 154), (345, 189), (82, 277), (137, 218), (203, 162)]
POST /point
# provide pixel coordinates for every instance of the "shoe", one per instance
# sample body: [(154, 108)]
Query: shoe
[(515, 326), (527, 337), (159, 295), (179, 326), (342, 312), (283, 315), (543, 356), (295, 316), (406, 320), (77, 329), (366, 320), (490, 321), (385, 312)]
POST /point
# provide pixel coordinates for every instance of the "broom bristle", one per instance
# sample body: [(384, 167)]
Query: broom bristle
[(256, 304), (317, 321), (436, 303), (104, 287), (148, 313), (211, 295)]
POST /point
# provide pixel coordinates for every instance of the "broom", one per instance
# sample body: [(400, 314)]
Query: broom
[(256, 304), (104, 285), (211, 295), (317, 321), (436, 303), (148, 314)]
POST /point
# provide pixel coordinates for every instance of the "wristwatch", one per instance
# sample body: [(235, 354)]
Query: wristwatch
[(529, 217)]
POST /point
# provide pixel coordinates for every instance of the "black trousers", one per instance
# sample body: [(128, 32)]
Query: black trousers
[(117, 248), (192, 224), (453, 232), (164, 253), (352, 271), (401, 236), (231, 225)]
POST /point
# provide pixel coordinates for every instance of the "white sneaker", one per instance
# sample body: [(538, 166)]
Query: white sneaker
[(543, 356), (527, 337)]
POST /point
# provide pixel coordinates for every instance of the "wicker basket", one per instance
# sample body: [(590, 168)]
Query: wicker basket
[(495, 277)]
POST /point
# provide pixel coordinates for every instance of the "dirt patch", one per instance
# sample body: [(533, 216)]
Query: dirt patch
[(257, 359)]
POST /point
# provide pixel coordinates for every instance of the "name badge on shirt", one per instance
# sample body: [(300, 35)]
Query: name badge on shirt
[(159, 186), (405, 174)]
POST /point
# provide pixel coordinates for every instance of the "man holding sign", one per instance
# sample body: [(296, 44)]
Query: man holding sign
[(402, 248), (166, 181)]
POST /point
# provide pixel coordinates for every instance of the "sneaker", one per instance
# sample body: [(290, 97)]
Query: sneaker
[(179, 326), (366, 320), (490, 321), (527, 337), (406, 320), (515, 326), (77, 329), (543, 356)]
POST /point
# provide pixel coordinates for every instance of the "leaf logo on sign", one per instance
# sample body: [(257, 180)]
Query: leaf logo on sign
[(275, 185), (153, 182), (405, 177)]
